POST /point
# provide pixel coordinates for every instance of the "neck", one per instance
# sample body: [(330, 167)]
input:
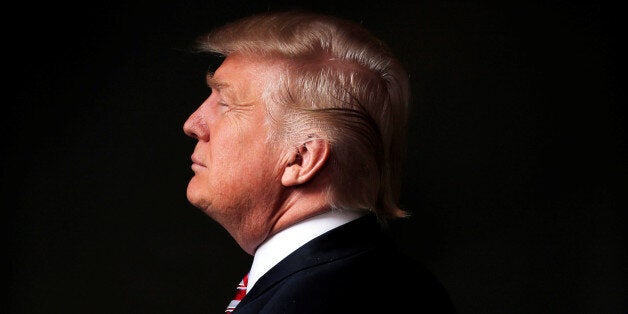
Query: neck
[(298, 207), (263, 221)]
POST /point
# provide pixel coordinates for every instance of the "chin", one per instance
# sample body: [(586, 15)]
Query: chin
[(194, 194)]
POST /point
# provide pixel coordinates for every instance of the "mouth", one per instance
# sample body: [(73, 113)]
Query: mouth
[(196, 163)]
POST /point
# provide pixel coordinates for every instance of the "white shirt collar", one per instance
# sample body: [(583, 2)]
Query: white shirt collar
[(280, 245)]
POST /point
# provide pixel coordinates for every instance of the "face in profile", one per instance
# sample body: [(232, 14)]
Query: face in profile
[(236, 171)]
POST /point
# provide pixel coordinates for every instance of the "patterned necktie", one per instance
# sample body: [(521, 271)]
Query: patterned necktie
[(240, 293)]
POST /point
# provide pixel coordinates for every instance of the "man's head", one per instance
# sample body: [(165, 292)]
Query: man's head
[(334, 102)]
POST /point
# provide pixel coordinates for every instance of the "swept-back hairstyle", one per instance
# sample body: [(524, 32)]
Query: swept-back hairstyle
[(339, 83)]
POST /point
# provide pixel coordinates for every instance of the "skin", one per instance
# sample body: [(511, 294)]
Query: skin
[(249, 186)]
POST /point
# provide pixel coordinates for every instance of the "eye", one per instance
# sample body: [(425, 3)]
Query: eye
[(223, 106)]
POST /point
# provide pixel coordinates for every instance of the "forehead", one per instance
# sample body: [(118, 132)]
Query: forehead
[(244, 74)]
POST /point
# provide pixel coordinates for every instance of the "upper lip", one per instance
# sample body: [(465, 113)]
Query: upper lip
[(197, 161)]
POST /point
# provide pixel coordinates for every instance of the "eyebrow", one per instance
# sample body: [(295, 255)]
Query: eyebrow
[(214, 83)]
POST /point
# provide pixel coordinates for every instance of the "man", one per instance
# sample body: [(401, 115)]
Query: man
[(298, 158)]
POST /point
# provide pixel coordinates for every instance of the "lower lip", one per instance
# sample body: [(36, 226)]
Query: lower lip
[(196, 166)]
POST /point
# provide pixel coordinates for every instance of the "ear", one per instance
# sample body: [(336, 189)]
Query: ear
[(305, 162)]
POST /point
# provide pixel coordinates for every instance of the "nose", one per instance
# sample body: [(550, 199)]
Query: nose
[(196, 127)]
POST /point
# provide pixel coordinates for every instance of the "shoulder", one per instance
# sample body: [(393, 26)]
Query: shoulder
[(373, 281), (354, 268)]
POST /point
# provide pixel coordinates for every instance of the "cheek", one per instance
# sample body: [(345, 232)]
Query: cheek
[(240, 152)]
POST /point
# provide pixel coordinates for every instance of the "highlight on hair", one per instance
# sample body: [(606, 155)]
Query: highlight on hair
[(340, 83)]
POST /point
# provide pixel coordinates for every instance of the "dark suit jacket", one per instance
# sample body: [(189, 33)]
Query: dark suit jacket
[(354, 268)]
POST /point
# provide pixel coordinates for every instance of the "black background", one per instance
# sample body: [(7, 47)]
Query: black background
[(516, 170)]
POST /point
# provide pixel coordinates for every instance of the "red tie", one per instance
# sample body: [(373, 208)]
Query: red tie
[(240, 293)]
